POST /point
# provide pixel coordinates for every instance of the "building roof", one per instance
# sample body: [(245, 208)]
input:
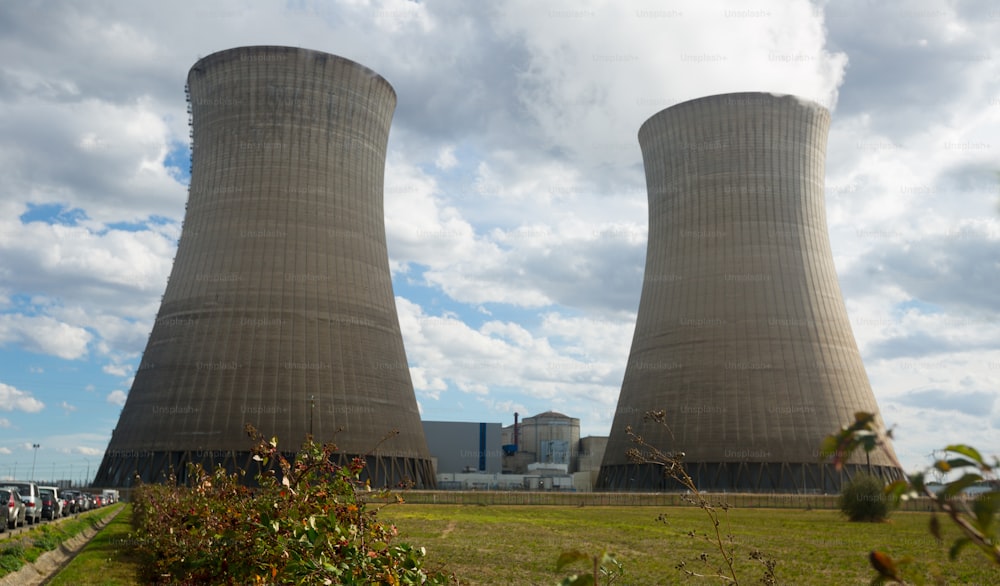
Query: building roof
[(550, 415)]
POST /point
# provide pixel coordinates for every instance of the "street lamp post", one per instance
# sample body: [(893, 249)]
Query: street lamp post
[(33, 459), (86, 481)]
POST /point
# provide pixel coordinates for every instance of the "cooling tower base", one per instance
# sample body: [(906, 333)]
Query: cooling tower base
[(769, 477), (148, 467)]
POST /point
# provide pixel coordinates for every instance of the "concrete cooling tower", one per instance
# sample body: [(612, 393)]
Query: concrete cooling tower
[(279, 310), (742, 336)]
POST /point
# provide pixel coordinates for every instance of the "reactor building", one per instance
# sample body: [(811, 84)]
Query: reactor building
[(279, 310), (742, 337)]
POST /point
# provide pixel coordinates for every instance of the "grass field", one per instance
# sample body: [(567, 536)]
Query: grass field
[(107, 560), (27, 546), (520, 544)]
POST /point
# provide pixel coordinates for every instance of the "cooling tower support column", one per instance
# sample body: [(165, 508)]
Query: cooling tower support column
[(742, 336), (279, 310)]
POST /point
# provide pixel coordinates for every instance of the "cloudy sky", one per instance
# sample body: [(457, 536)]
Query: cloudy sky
[(515, 198)]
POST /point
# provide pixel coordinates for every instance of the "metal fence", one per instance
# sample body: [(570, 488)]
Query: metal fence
[(635, 499)]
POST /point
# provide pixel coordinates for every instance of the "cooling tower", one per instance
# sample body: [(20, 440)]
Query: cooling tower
[(742, 336), (279, 310)]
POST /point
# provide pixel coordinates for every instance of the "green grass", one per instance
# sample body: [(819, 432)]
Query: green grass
[(15, 551), (520, 544), (108, 560)]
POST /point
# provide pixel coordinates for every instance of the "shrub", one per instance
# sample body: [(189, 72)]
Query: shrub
[(309, 522), (864, 499)]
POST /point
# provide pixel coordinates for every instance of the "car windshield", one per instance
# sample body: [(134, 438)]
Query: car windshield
[(45, 494)]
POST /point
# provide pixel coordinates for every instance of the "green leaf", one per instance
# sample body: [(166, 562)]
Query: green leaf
[(967, 451), (953, 488), (985, 508), (829, 446), (863, 419), (568, 557), (897, 490), (935, 527), (957, 547), (952, 463)]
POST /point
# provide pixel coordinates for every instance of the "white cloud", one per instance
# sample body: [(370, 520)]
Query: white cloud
[(6, 451), (502, 358), (117, 397), (116, 369), (44, 335), (4, 423), (12, 399), (67, 407), (446, 158)]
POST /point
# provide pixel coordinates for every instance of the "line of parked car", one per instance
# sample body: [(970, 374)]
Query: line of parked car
[(29, 503)]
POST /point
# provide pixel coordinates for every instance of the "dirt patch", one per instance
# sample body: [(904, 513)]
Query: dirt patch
[(50, 562), (447, 530)]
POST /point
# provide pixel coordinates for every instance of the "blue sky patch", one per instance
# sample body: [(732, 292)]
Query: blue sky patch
[(53, 213)]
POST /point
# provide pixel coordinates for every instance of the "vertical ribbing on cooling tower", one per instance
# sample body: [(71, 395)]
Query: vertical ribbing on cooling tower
[(279, 310), (742, 336)]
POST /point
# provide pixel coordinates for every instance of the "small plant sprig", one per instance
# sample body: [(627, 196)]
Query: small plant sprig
[(978, 522), (606, 569), (672, 464)]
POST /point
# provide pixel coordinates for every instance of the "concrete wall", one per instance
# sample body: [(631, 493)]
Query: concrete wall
[(464, 447)]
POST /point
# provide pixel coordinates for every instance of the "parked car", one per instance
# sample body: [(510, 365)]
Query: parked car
[(74, 501), (10, 500), (29, 496), (51, 507), (32, 504), (69, 496), (57, 494)]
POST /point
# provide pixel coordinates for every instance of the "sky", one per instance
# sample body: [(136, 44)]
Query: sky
[(515, 199)]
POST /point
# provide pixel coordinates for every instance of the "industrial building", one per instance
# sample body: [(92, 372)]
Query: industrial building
[(279, 310), (742, 337), (544, 452), (457, 446)]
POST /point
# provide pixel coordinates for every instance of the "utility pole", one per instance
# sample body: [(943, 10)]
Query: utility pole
[(312, 407), (34, 459)]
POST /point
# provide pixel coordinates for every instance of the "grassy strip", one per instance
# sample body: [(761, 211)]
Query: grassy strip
[(26, 548), (520, 545), (109, 559)]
